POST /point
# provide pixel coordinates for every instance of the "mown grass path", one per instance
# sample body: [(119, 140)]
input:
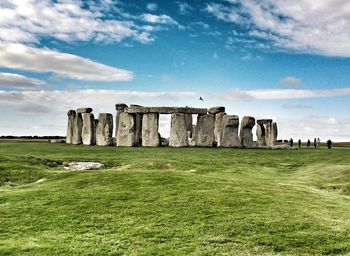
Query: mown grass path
[(166, 201)]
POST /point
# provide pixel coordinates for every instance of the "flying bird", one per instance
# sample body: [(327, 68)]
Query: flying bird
[(200, 98)]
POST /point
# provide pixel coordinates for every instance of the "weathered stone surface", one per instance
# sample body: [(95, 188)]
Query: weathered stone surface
[(77, 129), (260, 135), (188, 120), (57, 141), (246, 134), (178, 130), (215, 110), (218, 127), (126, 130), (120, 106), (263, 121), (191, 136), (104, 130), (70, 126), (88, 133), (165, 110), (229, 132), (205, 130), (82, 166), (150, 124), (84, 110), (274, 134), (138, 129)]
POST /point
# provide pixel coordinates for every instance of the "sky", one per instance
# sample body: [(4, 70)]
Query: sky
[(282, 59)]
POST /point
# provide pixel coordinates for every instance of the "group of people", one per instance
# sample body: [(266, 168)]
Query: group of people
[(317, 143)]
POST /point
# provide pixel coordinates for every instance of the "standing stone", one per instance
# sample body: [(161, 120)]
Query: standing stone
[(191, 136), (178, 130), (274, 134), (205, 130), (229, 132), (88, 132), (104, 130), (126, 130), (263, 132), (246, 134), (150, 125), (77, 129), (188, 121), (260, 135), (70, 126), (138, 129), (120, 108), (218, 127)]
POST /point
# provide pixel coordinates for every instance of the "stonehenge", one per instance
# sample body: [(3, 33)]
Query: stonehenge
[(136, 125)]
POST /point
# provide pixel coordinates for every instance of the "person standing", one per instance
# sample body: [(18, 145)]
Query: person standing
[(291, 142), (315, 142), (329, 144), (299, 143), (318, 143), (308, 143)]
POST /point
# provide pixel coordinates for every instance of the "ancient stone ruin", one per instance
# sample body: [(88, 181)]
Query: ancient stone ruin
[(138, 126)]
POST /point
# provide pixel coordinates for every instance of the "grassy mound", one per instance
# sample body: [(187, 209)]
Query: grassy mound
[(165, 201)]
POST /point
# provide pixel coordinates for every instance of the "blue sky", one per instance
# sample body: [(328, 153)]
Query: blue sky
[(286, 60)]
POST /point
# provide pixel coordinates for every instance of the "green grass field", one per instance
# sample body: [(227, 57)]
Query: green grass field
[(166, 201)]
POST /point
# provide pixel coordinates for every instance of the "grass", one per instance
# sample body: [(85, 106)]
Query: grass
[(166, 201)]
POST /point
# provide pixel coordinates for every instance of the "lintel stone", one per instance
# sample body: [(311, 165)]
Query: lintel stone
[(165, 110)]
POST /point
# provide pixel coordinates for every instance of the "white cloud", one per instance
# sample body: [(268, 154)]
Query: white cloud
[(319, 27), (277, 94), (291, 80), (18, 56), (26, 21), (158, 19), (16, 81), (152, 6), (296, 106)]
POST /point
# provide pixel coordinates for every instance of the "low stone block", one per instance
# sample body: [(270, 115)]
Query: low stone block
[(215, 110), (84, 110)]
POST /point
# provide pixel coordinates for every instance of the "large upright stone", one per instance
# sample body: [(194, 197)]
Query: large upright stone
[(77, 129), (260, 135), (271, 134), (120, 108), (126, 130), (104, 130), (246, 134), (229, 132), (218, 127), (70, 126), (263, 132), (178, 130), (188, 121), (205, 130), (88, 132), (150, 125)]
